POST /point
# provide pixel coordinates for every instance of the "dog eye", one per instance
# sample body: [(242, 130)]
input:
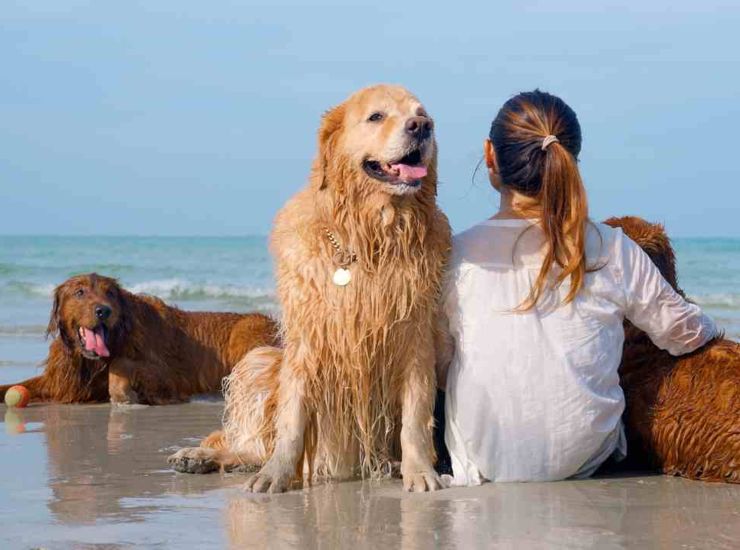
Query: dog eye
[(375, 117), (80, 292)]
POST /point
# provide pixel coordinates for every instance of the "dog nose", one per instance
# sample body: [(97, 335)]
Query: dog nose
[(102, 311), (419, 127)]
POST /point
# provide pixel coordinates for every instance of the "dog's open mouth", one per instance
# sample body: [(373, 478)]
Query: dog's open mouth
[(94, 341), (407, 170)]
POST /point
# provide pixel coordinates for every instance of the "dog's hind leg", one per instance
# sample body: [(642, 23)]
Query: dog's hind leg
[(215, 440), (212, 455), (204, 460), (245, 441)]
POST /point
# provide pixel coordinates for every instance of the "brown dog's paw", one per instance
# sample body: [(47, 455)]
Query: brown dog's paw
[(124, 397), (194, 460)]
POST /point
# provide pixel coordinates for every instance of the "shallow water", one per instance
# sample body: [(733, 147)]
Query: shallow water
[(96, 475)]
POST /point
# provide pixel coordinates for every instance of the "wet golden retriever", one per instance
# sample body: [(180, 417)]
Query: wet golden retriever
[(130, 348), (360, 254), (683, 413)]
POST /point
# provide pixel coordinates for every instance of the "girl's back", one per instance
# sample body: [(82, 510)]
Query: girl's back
[(535, 309)]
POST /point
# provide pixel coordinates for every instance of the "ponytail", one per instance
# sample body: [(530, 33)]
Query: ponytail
[(564, 217), (537, 139)]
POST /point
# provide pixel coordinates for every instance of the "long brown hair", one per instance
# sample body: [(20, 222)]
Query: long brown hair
[(549, 174)]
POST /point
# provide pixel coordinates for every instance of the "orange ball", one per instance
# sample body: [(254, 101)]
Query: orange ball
[(17, 396)]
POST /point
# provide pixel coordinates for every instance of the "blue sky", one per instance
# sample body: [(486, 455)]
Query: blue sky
[(199, 118)]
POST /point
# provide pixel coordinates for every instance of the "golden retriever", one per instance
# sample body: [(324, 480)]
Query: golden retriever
[(360, 253), (131, 348), (683, 413)]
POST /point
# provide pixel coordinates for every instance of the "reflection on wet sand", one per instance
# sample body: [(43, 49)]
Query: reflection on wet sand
[(99, 456), (14, 423), (90, 474), (614, 513)]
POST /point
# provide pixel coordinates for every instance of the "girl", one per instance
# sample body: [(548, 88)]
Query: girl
[(534, 305)]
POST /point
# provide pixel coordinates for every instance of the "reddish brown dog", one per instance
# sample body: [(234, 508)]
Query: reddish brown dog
[(111, 344), (683, 413)]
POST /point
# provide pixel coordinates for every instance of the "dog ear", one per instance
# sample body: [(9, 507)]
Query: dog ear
[(331, 123), (54, 318), (56, 326), (126, 315), (652, 238)]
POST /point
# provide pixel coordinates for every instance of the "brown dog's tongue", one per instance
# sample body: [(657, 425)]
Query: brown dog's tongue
[(408, 173), (94, 341)]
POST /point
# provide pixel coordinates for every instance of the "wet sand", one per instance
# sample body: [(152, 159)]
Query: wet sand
[(94, 476)]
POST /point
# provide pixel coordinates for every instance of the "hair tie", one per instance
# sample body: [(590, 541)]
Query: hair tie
[(548, 140)]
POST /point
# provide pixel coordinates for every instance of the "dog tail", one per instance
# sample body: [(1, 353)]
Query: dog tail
[(250, 392)]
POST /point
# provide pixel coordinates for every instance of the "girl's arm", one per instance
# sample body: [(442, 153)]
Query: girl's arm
[(653, 306)]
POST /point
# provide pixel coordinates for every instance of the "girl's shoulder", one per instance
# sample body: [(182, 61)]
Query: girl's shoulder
[(501, 241), (492, 241), (602, 242)]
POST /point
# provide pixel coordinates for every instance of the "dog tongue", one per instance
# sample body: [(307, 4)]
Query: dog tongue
[(410, 173), (94, 341)]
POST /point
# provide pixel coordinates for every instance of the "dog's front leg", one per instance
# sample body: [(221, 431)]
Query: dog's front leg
[(120, 390), (417, 448), (280, 470)]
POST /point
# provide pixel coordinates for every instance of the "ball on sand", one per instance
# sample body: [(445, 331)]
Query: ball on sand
[(17, 396)]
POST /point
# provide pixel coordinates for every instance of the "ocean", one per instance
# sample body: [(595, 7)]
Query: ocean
[(235, 274)]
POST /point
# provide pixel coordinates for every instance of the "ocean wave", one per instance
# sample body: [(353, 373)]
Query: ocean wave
[(22, 330), (14, 363), (180, 289), (8, 269), (167, 289), (729, 300), (30, 289)]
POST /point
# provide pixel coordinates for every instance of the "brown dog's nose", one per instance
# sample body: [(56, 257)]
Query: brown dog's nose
[(419, 127), (102, 311)]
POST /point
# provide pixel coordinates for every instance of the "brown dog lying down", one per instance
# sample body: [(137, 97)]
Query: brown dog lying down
[(131, 348), (360, 255), (683, 413)]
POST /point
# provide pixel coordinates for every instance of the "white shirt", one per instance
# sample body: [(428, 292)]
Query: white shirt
[(535, 396)]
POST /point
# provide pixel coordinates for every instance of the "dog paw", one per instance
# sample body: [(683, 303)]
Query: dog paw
[(127, 397), (421, 480), (270, 480), (244, 468), (193, 460)]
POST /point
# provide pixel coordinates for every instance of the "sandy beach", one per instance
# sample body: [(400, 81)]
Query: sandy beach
[(95, 476), (87, 476)]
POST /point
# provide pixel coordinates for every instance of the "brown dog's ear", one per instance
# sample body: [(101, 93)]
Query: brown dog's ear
[(331, 124), (56, 326), (653, 239), (125, 323), (54, 318)]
